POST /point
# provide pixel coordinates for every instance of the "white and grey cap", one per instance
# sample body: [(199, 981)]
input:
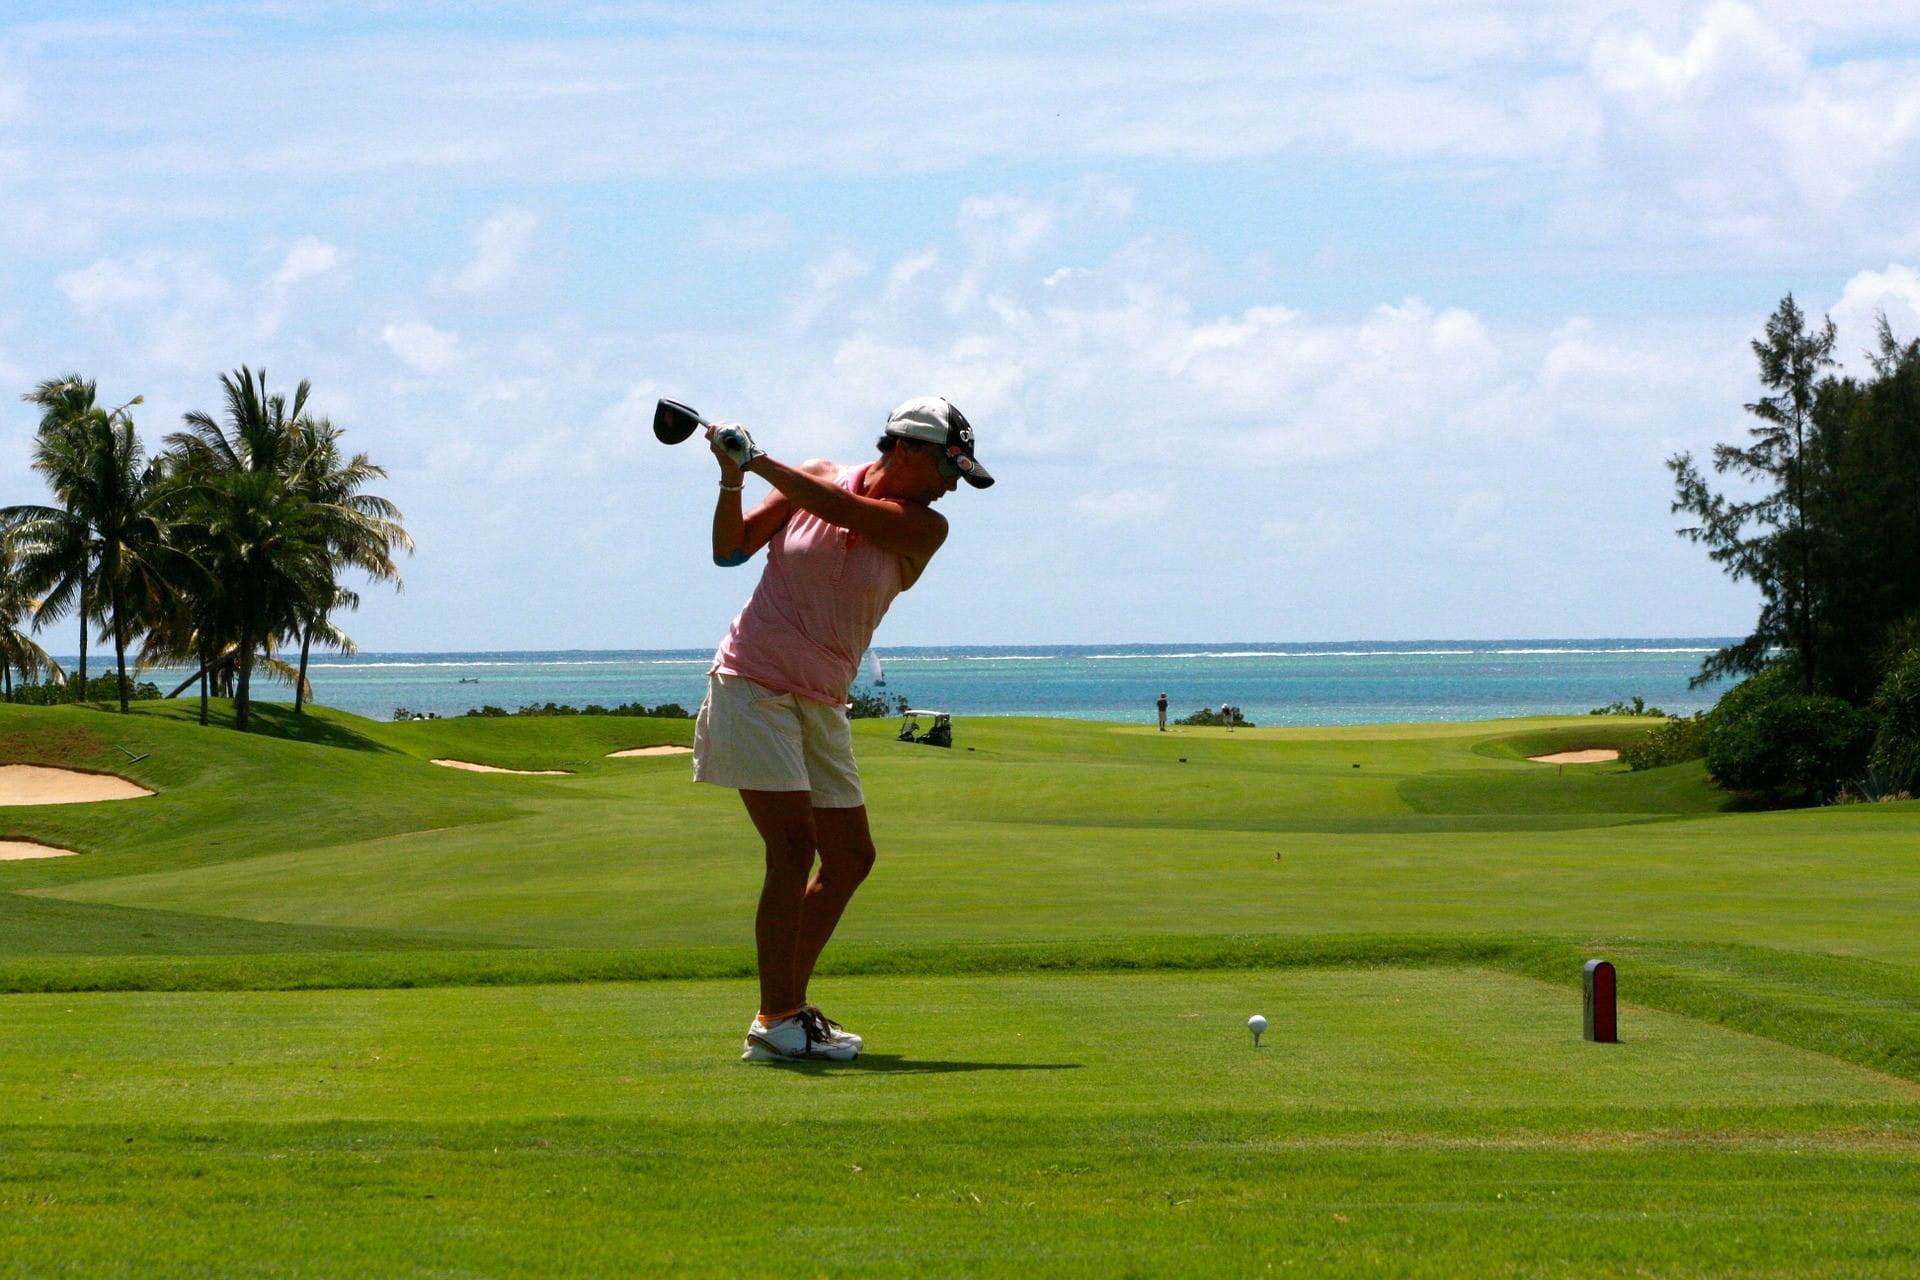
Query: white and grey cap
[(932, 419)]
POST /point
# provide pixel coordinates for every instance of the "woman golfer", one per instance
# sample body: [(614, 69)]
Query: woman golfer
[(841, 543)]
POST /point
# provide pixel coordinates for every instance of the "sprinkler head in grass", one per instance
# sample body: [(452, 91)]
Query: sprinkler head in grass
[(1258, 1026)]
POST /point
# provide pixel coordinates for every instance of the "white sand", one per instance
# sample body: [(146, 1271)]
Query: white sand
[(488, 768), (650, 751), (37, 784), (21, 850), (1594, 755)]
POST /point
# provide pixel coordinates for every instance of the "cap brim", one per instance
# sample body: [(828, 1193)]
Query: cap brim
[(977, 476)]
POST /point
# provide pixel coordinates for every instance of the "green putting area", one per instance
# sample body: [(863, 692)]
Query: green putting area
[(320, 1006)]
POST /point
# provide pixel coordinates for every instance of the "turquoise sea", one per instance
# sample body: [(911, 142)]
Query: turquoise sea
[(1273, 684)]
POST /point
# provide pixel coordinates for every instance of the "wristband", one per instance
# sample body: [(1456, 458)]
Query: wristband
[(732, 488)]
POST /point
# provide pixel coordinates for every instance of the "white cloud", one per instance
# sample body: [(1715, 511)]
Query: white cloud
[(308, 258), (1111, 508), (1313, 537), (1477, 521), (175, 309), (1731, 131), (1894, 292), (141, 281), (501, 246), (827, 281), (420, 346), (1760, 121)]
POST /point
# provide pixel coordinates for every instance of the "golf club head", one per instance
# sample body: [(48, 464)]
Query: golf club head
[(674, 422)]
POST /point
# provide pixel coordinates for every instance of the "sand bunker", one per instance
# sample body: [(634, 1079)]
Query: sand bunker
[(21, 850), (37, 784), (489, 768), (1594, 755), (649, 751)]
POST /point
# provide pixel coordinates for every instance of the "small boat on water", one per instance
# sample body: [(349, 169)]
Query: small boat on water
[(874, 669)]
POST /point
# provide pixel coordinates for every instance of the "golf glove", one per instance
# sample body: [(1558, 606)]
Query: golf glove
[(737, 445)]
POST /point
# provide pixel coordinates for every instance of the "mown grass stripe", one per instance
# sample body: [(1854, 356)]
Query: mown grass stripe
[(1823, 1004)]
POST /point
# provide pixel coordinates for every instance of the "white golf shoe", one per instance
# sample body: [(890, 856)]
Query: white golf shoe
[(835, 1031), (801, 1037)]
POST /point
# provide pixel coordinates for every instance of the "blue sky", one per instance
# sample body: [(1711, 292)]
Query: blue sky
[(1278, 322)]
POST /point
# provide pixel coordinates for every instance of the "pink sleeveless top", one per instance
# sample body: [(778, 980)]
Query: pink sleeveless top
[(819, 600)]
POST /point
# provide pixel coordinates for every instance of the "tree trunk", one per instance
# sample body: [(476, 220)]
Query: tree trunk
[(300, 687), (206, 679), (120, 651), (242, 691), (82, 695)]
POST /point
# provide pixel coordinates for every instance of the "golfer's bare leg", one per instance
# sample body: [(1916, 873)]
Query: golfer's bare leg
[(846, 856), (784, 820)]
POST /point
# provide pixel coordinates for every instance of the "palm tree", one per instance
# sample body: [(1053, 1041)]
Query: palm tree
[(104, 541), (55, 543), (17, 648), (137, 562), (361, 531), (264, 546)]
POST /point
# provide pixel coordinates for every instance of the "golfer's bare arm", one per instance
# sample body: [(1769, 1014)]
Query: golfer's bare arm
[(907, 529), (736, 537)]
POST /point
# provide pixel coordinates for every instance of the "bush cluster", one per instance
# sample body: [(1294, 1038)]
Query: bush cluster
[(1770, 737), (1638, 707), (1207, 716), (99, 689), (1678, 738), (1895, 756), (665, 711), (866, 704)]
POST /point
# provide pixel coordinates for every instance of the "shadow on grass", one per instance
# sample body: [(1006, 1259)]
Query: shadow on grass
[(894, 1064), (280, 722)]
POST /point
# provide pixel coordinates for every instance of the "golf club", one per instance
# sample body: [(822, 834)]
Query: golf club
[(674, 422)]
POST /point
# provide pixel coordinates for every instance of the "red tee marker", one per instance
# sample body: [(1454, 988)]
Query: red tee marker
[(1603, 1024)]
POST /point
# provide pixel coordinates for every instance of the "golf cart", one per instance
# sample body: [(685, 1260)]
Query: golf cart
[(939, 735)]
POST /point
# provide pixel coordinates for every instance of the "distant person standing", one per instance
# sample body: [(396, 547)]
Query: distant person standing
[(1162, 705), (1226, 716), (842, 542)]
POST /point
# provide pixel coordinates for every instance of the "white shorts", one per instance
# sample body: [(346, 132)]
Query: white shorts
[(753, 738)]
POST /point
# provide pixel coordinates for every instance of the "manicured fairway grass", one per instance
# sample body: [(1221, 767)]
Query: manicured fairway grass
[(320, 1007), (1427, 1040)]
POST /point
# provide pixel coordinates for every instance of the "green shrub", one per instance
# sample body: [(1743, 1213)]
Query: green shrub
[(665, 711), (1638, 707), (99, 689), (1896, 744), (866, 704), (1770, 737), (1207, 716), (1679, 738)]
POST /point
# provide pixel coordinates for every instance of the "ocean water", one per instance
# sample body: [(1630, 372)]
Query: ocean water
[(1272, 684)]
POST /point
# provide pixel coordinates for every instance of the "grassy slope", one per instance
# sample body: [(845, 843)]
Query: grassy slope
[(1412, 1121), (1045, 831)]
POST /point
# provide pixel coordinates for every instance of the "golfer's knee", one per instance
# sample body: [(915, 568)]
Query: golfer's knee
[(847, 866), (790, 851)]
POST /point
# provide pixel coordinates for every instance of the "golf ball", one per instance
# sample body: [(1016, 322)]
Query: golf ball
[(1256, 1024)]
